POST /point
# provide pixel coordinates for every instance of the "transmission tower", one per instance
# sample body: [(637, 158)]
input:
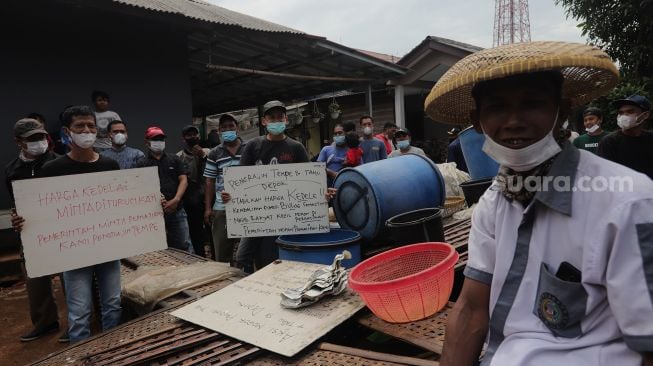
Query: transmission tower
[(511, 24)]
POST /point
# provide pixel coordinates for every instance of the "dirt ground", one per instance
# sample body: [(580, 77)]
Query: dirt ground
[(15, 321)]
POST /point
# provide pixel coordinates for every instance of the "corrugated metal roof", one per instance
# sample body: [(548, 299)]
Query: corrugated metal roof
[(204, 11), (460, 45)]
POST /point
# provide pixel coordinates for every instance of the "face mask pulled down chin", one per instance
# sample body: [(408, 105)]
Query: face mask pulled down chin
[(83, 140), (526, 158), (592, 129), (157, 146), (276, 128), (36, 148)]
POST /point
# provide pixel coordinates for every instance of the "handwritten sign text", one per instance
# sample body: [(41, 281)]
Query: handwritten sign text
[(268, 200), (79, 220)]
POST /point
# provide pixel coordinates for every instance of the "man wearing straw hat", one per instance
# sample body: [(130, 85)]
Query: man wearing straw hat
[(556, 271)]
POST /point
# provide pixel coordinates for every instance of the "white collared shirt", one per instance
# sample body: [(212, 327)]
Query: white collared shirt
[(607, 236)]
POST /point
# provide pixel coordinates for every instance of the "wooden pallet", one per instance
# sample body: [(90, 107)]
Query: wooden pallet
[(328, 354), (426, 333)]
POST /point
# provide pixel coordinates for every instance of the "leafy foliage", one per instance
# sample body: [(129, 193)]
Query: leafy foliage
[(623, 28)]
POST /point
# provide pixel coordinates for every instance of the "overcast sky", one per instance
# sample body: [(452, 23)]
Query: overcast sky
[(396, 26)]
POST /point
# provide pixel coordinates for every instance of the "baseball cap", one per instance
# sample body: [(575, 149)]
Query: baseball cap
[(227, 117), (27, 127), (188, 129), (402, 131), (593, 111), (154, 131), (636, 100), (273, 104)]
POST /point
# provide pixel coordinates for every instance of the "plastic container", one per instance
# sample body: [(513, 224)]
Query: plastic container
[(407, 283), (474, 189), (321, 248), (419, 226), (479, 164), (371, 193)]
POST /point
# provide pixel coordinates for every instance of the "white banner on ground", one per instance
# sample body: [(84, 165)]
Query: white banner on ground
[(249, 310), (270, 200), (75, 221)]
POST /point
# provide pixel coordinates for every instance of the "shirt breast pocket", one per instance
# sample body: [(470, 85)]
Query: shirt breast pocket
[(560, 304)]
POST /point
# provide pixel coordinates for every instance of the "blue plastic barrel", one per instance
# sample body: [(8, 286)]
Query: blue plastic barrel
[(321, 248), (479, 164), (371, 193)]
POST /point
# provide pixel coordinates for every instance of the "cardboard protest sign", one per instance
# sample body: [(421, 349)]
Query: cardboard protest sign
[(249, 310), (269, 200), (75, 221)]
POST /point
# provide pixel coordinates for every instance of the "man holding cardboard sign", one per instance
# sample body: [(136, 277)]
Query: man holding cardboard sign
[(80, 126), (273, 148)]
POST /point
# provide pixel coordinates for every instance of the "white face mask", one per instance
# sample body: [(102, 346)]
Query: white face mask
[(37, 148), (592, 129), (83, 140), (627, 122), (367, 131), (119, 139), (526, 158), (157, 146)]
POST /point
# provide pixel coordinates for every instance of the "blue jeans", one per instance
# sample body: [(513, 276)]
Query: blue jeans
[(79, 298), (177, 234)]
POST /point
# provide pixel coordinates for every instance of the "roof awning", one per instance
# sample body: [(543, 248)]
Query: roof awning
[(237, 61)]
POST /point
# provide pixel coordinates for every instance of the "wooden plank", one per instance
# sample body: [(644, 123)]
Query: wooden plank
[(376, 355), (426, 333)]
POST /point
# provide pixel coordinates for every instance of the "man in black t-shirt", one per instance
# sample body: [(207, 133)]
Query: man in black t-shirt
[(79, 125), (273, 148), (31, 138), (631, 146), (173, 178)]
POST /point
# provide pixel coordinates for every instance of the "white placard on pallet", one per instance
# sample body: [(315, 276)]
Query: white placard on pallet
[(249, 310)]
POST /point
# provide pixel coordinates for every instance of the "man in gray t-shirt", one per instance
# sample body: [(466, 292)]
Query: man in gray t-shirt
[(273, 148)]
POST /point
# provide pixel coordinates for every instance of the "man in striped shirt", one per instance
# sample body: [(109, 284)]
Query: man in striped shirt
[(224, 155)]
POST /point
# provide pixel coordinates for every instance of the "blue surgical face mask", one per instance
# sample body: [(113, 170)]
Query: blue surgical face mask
[(276, 128), (228, 136), (339, 140), (403, 144)]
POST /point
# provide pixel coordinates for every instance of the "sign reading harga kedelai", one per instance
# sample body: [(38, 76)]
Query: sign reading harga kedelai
[(75, 221), (281, 199)]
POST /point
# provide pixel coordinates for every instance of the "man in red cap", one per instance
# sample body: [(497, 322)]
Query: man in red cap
[(173, 178)]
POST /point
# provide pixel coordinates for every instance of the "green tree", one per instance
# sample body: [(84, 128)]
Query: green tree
[(623, 28)]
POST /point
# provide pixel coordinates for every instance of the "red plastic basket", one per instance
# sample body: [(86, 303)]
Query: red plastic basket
[(408, 283)]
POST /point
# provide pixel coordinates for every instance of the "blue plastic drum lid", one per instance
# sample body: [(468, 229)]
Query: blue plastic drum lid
[(479, 164), (321, 248), (371, 193), (334, 238)]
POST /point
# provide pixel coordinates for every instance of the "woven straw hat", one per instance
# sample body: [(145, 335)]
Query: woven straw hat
[(588, 73)]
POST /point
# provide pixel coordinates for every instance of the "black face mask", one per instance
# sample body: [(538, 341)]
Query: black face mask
[(192, 141)]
